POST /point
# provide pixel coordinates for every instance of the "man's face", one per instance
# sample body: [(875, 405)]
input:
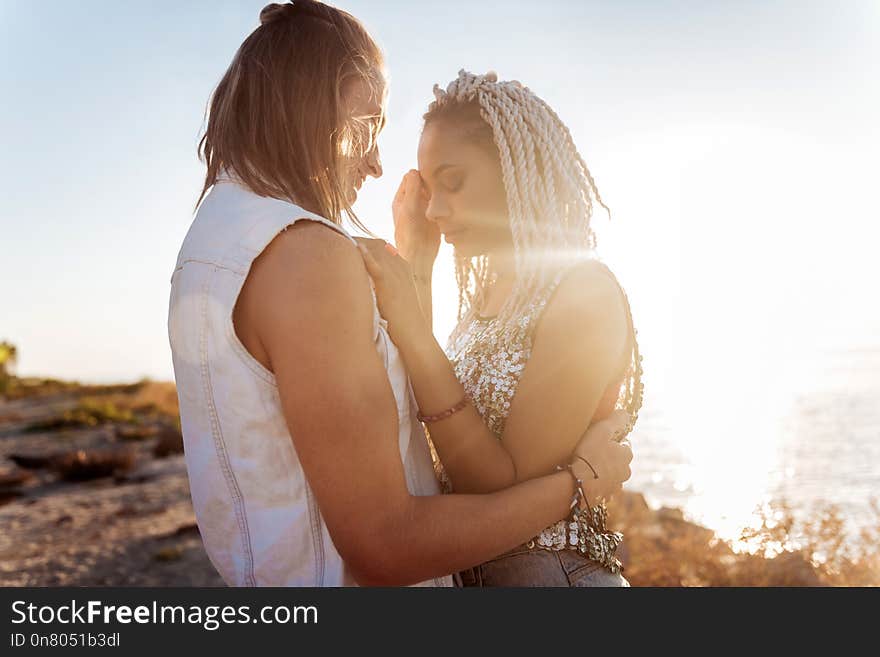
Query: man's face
[(365, 111)]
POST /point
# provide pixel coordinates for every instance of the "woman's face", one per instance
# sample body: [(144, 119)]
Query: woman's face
[(365, 117), (466, 193)]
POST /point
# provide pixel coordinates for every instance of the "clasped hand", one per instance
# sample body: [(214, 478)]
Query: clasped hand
[(600, 450)]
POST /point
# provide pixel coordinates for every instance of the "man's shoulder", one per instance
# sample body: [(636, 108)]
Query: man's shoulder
[(309, 256), (308, 277)]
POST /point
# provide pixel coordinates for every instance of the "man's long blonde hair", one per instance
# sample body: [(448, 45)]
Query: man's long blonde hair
[(550, 197), (275, 119)]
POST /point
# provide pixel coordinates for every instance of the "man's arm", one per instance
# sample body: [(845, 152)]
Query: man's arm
[(308, 299)]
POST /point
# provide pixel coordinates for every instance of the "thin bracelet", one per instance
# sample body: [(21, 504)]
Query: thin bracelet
[(595, 474), (443, 414), (579, 486)]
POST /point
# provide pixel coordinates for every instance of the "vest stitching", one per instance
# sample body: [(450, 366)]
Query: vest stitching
[(317, 536), (245, 356), (211, 263), (220, 445)]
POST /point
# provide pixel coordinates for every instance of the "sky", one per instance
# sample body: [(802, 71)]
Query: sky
[(734, 142)]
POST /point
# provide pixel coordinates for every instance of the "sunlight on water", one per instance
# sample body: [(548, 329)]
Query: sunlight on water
[(812, 443), (744, 290), (726, 462)]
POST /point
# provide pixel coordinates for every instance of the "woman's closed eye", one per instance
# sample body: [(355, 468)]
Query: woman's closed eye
[(452, 182)]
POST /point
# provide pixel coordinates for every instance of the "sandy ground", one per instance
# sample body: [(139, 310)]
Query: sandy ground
[(136, 529), (105, 533)]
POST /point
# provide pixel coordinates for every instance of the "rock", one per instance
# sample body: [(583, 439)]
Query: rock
[(9, 496), (31, 461), (134, 432), (791, 569), (170, 442), (133, 477), (13, 478), (185, 530), (670, 513), (83, 465), (632, 502), (170, 553), (127, 511)]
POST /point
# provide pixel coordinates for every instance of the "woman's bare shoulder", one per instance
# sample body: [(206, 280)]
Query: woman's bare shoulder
[(587, 295)]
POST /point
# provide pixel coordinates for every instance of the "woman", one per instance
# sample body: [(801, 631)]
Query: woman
[(544, 345), (306, 463)]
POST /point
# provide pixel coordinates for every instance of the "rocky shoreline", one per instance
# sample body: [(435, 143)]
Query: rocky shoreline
[(94, 492), (97, 495)]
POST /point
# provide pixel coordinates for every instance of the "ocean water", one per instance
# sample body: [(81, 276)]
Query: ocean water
[(818, 443)]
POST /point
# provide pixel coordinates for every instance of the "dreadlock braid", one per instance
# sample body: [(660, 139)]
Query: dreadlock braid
[(550, 193)]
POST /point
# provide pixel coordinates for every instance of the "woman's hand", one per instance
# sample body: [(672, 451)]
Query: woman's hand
[(600, 460), (396, 294), (417, 238)]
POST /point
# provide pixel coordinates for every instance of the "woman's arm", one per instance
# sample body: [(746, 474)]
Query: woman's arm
[(341, 414), (423, 290), (576, 353)]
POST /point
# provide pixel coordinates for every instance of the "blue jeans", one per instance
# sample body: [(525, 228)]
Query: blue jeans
[(523, 566)]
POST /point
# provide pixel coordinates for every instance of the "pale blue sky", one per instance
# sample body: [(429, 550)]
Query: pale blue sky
[(736, 143)]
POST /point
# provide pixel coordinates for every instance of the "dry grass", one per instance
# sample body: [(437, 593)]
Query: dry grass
[(30, 387), (143, 397), (823, 541), (146, 398), (663, 549), (124, 406)]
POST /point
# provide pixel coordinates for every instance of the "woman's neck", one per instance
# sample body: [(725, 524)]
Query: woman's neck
[(502, 276), (502, 264)]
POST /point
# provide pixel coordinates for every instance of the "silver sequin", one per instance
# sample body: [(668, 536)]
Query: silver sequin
[(489, 362)]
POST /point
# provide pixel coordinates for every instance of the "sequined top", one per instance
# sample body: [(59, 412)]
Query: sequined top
[(489, 363)]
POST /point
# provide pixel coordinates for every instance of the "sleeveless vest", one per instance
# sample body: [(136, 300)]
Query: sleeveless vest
[(257, 515)]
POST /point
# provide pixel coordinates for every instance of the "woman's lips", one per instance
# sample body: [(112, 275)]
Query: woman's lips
[(452, 234)]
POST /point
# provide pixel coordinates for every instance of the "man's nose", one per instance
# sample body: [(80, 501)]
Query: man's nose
[(374, 163)]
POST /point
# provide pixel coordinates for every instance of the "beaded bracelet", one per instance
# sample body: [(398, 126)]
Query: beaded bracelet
[(443, 414)]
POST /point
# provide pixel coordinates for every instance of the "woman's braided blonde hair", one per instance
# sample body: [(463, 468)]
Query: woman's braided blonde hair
[(550, 195)]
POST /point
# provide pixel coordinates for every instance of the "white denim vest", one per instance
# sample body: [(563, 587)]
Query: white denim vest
[(257, 515)]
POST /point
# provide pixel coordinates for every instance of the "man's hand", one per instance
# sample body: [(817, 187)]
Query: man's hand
[(601, 461)]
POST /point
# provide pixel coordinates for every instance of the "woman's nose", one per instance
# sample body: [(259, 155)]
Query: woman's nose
[(436, 209)]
